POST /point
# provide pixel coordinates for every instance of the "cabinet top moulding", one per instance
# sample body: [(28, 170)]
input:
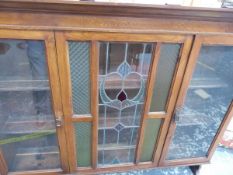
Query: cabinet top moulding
[(118, 9)]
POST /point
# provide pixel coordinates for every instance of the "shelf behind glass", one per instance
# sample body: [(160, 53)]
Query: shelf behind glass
[(24, 85)]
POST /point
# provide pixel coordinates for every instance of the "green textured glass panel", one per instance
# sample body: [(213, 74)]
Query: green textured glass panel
[(83, 143), (79, 55), (166, 66), (150, 138)]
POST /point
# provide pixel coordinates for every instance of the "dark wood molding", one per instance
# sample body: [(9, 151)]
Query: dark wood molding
[(69, 22), (134, 167), (38, 172), (118, 9), (3, 164), (94, 68), (186, 162)]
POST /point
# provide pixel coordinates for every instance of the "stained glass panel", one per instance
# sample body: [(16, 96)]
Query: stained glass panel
[(122, 81)]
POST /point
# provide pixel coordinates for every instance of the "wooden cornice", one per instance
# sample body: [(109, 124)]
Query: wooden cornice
[(118, 9)]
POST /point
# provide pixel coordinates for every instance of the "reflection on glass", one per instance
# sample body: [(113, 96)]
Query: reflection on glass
[(208, 98), (122, 80), (27, 128)]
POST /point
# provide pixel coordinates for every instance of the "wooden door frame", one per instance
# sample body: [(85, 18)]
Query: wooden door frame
[(51, 59), (65, 75), (3, 165), (226, 40)]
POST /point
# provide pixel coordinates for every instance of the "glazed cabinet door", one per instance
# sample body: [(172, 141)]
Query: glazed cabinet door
[(31, 132), (202, 114), (118, 95)]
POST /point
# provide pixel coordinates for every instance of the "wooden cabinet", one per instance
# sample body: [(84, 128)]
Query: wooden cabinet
[(89, 93)]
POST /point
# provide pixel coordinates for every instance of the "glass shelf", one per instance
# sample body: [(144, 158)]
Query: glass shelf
[(110, 122), (40, 157), (115, 83), (207, 83), (24, 85), (116, 147), (26, 125)]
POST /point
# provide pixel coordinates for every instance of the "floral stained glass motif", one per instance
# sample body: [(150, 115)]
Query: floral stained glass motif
[(122, 83)]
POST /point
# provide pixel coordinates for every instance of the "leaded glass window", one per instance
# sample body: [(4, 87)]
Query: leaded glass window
[(123, 74)]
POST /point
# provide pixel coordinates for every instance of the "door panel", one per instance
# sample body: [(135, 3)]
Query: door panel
[(202, 113), (28, 135), (117, 73), (122, 88)]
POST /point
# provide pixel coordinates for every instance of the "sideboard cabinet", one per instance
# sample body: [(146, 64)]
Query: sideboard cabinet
[(89, 88)]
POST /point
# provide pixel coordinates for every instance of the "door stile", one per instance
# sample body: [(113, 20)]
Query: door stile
[(94, 64), (66, 94), (56, 99), (149, 91), (3, 165)]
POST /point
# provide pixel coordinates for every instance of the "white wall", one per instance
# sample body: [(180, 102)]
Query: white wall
[(196, 3)]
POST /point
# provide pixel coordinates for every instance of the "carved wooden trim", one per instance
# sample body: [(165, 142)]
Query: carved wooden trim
[(113, 9)]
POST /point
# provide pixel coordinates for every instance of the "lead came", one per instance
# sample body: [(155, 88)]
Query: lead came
[(122, 85)]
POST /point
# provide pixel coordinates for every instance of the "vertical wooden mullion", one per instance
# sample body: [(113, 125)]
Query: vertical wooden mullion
[(94, 67), (3, 165), (173, 94), (56, 98), (182, 93), (66, 95), (149, 93)]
